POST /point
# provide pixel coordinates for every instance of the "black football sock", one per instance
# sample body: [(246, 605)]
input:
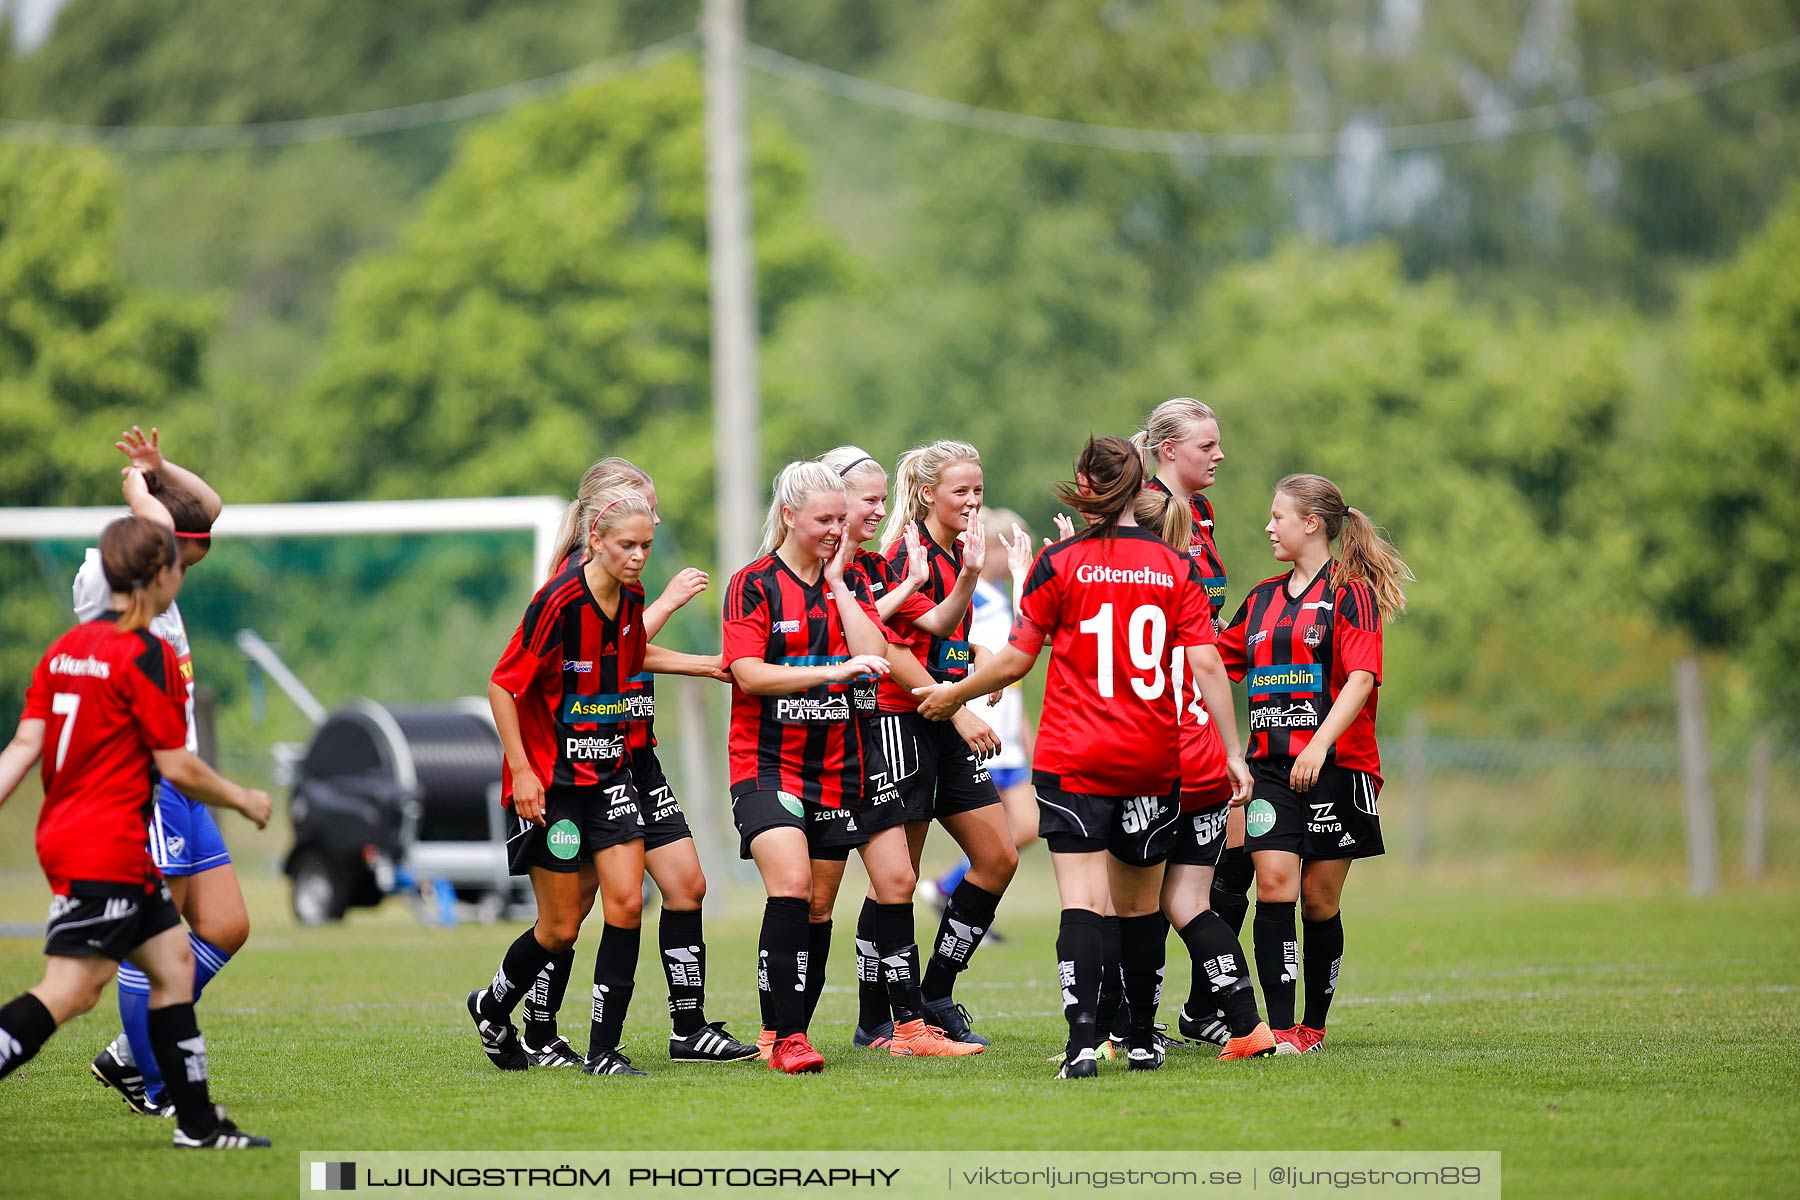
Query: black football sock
[(818, 951), (871, 988), (1220, 969), (181, 1053), (1144, 950), (25, 1025), (967, 915), (1231, 887), (1078, 952), (544, 998), (1277, 960), (781, 969), (1112, 976), (1324, 955), (524, 960), (615, 976), (899, 961), (683, 946)]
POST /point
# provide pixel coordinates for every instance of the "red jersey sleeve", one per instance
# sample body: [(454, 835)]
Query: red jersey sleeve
[(158, 696), (1039, 606), (37, 693), (746, 620), (536, 641), (1193, 613), (1356, 634), (1232, 645)]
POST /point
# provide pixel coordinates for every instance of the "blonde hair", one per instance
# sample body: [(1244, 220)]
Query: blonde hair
[(1364, 553), (609, 474), (1172, 420), (920, 468), (849, 462), (797, 483), (1167, 517)]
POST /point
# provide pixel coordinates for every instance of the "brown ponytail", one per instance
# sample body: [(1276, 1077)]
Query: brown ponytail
[(133, 550), (1363, 554), (1115, 475)]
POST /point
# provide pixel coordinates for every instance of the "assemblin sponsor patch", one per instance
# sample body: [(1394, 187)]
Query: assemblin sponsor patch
[(1292, 677)]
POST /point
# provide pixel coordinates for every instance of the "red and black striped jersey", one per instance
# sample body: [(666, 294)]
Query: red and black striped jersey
[(948, 659), (640, 734), (1111, 609), (1295, 653), (871, 575), (1203, 548), (108, 699), (807, 744), (570, 667)]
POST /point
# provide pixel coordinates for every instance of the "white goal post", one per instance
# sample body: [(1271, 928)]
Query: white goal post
[(539, 514)]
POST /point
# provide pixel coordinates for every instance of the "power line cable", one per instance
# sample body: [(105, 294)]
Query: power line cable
[(1580, 110), (346, 125), (1486, 127)]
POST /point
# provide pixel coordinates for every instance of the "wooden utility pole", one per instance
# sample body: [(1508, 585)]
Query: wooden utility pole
[(1696, 770), (731, 260)]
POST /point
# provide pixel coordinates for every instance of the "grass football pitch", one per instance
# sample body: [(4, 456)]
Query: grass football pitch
[(1628, 1043)]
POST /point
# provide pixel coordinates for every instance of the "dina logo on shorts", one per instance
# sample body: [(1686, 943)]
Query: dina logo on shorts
[(791, 803), (564, 840), (1259, 818)]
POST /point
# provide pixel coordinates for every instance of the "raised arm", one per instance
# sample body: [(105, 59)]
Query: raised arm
[(145, 454), (942, 620)]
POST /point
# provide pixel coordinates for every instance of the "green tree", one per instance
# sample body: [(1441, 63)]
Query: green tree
[(1721, 549), (81, 357), (550, 306)]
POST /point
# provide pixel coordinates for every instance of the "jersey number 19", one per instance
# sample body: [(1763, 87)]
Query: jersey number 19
[(1145, 634)]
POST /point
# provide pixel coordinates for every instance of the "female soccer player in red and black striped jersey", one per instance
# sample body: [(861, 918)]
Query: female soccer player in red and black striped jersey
[(1182, 452), (797, 638), (669, 854), (109, 701), (1221, 1005), (882, 922), (1308, 645), (565, 717), (1111, 601), (938, 491)]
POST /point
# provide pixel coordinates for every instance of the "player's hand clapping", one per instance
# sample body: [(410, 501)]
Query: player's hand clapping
[(918, 567)]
